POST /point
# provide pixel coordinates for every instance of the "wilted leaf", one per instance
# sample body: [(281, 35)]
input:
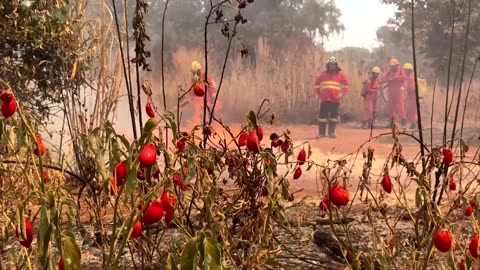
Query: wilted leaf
[(189, 256), (252, 119), (213, 254), (20, 215), (71, 252), (43, 237), (171, 265)]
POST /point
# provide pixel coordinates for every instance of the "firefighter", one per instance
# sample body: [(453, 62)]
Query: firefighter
[(411, 99), (330, 86), (395, 79), (210, 89), (369, 93)]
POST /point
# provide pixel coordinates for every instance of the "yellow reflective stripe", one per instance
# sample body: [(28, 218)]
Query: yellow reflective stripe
[(322, 120), (330, 83), (329, 87), (333, 120)]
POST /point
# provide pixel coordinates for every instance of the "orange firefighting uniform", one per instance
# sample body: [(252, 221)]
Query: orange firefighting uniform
[(395, 80), (411, 99), (370, 88), (330, 87)]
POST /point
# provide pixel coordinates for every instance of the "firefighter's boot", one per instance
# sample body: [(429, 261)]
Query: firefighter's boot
[(322, 129), (331, 129)]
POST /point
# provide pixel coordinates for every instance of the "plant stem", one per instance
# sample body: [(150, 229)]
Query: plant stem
[(419, 115), (465, 51), (129, 90)]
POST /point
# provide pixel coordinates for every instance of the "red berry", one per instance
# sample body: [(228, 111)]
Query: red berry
[(150, 111), (46, 177), (177, 180), (260, 133), (461, 265), (167, 200), (387, 184), (324, 205), (180, 145), (120, 172), (40, 149), (9, 108), (169, 215), (60, 264), (29, 234), (156, 174), (6, 96), (338, 195), (285, 146), (148, 155), (153, 214), (473, 203), (443, 240), (198, 90), (140, 174), (274, 143), (253, 142), (473, 247), (297, 173), (468, 210), (137, 230), (452, 184), (242, 139), (302, 157), (447, 156), (279, 142)]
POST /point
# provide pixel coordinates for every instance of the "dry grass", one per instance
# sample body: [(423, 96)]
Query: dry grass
[(286, 79)]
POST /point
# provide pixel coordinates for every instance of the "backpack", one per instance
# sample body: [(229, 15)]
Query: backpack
[(422, 87)]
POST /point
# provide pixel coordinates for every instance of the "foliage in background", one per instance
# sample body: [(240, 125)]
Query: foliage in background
[(40, 51)]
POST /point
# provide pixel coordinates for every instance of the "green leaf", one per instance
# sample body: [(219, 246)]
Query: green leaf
[(189, 258), (171, 265), (43, 237), (71, 252), (213, 254), (131, 179), (150, 125), (252, 119), (201, 250), (124, 141)]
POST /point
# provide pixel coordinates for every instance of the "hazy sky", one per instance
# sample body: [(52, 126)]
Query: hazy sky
[(361, 19)]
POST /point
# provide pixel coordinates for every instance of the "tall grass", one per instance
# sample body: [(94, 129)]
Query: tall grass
[(285, 77)]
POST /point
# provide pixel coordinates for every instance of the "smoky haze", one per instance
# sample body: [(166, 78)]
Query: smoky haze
[(287, 47)]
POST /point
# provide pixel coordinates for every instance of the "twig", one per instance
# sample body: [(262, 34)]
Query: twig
[(129, 90), (419, 115)]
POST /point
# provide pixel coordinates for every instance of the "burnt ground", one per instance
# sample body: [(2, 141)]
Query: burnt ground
[(369, 230)]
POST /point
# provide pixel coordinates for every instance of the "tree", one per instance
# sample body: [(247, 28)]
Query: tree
[(435, 22), (273, 20), (38, 51)]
